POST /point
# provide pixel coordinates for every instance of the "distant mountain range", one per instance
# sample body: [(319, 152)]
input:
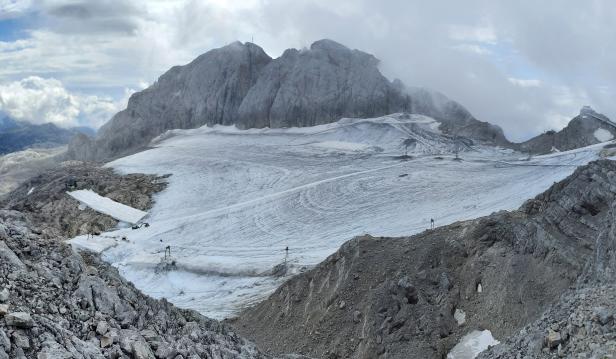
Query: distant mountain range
[(17, 135)]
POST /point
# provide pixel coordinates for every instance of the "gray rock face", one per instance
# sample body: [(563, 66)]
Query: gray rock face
[(240, 84), (571, 328), (319, 85), (580, 132), (67, 305), (408, 290), (209, 90)]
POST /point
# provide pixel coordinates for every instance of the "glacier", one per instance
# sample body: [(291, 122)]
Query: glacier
[(237, 199)]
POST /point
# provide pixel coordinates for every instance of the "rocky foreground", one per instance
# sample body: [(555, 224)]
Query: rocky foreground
[(415, 297), (57, 303), (580, 325)]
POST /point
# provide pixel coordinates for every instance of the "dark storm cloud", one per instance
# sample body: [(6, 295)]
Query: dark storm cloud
[(93, 17)]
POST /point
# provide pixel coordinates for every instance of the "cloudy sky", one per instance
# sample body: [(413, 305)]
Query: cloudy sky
[(527, 66)]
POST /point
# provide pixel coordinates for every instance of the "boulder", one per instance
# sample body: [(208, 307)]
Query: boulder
[(8, 256), (106, 341), (102, 327), (553, 339), (19, 320), (5, 342), (141, 350), (53, 350)]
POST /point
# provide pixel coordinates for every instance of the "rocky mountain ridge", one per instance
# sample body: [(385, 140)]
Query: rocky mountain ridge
[(587, 128), (239, 84)]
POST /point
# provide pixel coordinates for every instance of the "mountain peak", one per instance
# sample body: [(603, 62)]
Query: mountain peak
[(239, 84), (587, 110), (328, 45)]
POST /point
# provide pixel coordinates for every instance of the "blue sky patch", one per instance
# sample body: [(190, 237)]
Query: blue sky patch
[(15, 29)]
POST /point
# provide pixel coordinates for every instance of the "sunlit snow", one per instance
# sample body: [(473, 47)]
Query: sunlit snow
[(236, 199)]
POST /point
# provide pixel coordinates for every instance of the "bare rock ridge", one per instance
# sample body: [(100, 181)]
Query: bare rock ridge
[(55, 303), (240, 84), (396, 297), (588, 128)]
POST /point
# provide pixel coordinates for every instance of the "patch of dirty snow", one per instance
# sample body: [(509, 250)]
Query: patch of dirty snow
[(603, 135), (460, 316), (472, 344)]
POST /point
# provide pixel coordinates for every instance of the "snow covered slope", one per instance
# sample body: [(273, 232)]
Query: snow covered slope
[(119, 211), (238, 198)]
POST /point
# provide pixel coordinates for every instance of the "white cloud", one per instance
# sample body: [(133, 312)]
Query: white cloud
[(481, 34), (525, 82), (473, 48), (38, 100), (13, 8), (473, 51)]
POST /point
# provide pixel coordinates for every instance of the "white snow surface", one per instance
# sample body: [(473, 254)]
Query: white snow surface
[(237, 198), (472, 344), (119, 211), (603, 135)]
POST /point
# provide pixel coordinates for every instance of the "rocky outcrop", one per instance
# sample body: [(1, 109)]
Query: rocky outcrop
[(55, 303), (209, 90), (588, 128), (43, 198), (580, 325), (240, 84), (319, 85), (405, 297)]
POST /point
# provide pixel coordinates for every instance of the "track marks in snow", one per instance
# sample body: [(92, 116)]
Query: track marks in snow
[(236, 201)]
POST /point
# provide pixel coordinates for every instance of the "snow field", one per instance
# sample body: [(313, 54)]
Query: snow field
[(236, 199)]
